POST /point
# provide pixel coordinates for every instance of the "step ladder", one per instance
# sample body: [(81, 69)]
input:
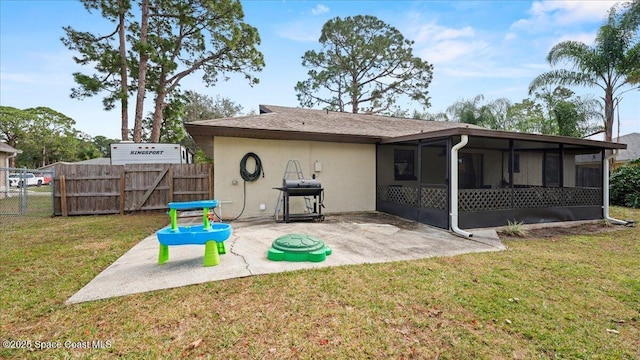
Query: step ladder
[(292, 171)]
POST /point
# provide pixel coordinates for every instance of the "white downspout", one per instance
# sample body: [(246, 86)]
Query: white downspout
[(464, 140), (6, 179), (12, 156), (605, 189)]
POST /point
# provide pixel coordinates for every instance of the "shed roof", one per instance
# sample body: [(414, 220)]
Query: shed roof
[(4, 147), (286, 123)]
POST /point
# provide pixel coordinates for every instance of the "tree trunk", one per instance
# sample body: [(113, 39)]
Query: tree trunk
[(608, 120), (124, 88), (354, 95), (157, 116), (608, 114), (44, 155), (142, 72)]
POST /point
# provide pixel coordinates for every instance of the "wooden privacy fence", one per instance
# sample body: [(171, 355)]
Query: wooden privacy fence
[(117, 189)]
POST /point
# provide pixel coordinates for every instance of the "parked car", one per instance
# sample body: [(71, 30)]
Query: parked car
[(28, 179), (46, 177)]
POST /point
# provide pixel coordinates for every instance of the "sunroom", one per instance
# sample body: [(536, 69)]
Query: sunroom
[(467, 178)]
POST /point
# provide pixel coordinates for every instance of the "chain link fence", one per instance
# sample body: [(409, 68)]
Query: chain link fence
[(25, 192)]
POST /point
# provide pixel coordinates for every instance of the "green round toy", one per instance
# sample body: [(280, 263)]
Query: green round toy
[(298, 247)]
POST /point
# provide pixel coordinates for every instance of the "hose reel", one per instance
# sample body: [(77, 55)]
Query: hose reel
[(251, 176)]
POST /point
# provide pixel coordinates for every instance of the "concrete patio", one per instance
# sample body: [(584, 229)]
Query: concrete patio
[(354, 238)]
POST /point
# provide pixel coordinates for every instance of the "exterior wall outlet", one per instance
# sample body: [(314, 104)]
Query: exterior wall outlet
[(263, 207), (317, 167)]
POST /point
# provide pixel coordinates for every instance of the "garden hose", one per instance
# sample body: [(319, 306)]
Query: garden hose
[(246, 176)]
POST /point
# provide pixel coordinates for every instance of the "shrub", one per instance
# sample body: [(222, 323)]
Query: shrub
[(624, 185), (514, 228)]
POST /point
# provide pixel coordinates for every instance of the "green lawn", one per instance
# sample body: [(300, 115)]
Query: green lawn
[(575, 297)]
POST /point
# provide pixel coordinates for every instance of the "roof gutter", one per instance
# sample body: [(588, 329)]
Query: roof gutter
[(605, 189), (12, 156), (464, 140)]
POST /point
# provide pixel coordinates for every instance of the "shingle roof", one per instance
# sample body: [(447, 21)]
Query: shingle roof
[(281, 120), (6, 148), (286, 123), (95, 161)]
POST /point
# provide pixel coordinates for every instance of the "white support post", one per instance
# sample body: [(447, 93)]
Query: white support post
[(464, 140), (605, 189)]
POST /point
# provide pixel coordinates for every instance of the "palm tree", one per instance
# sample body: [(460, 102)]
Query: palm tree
[(471, 111), (609, 64), (631, 19), (492, 115)]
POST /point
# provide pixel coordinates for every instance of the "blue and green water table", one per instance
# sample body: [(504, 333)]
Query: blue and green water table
[(211, 235)]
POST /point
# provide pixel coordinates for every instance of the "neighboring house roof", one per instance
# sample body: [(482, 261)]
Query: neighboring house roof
[(52, 165), (286, 123), (632, 151), (96, 161), (8, 149)]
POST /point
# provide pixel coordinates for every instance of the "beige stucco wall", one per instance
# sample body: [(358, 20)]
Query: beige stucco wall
[(347, 174)]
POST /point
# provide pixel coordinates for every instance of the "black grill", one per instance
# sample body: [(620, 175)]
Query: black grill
[(303, 187)]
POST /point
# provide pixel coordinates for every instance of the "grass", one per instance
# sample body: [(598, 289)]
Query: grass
[(572, 297)]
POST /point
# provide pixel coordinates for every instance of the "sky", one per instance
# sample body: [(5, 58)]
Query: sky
[(493, 48)]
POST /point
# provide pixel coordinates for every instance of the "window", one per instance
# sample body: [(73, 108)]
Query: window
[(404, 164)]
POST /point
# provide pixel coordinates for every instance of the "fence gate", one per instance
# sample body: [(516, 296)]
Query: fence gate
[(25, 192)]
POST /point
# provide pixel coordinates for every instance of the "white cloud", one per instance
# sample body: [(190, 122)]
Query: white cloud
[(537, 66), (440, 44), (451, 50), (319, 9), (19, 77), (586, 38), (433, 32), (510, 36), (547, 14), (567, 12), (301, 31), (487, 71)]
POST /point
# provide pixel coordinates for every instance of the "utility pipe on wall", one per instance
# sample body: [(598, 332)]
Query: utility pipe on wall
[(12, 156), (6, 176), (464, 140), (605, 189)]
